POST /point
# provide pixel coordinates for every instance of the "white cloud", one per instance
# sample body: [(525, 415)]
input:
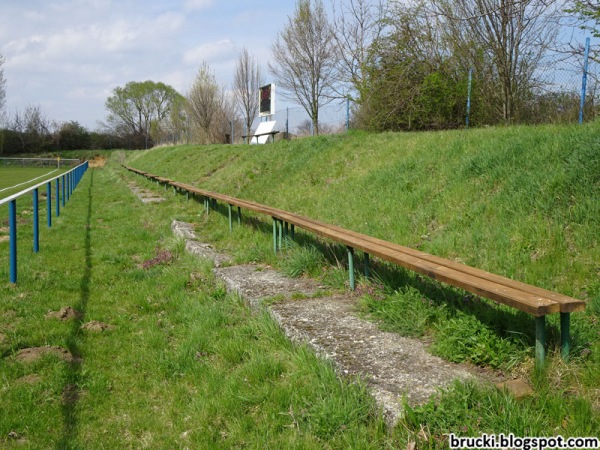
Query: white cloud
[(211, 52), (193, 5)]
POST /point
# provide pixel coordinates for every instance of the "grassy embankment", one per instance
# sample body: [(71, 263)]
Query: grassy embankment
[(522, 202), (188, 365)]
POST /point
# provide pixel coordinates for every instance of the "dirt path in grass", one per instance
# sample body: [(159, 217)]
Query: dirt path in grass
[(394, 367)]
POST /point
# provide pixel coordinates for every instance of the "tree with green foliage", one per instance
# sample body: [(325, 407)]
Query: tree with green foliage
[(588, 12), (73, 136), (305, 59), (136, 106)]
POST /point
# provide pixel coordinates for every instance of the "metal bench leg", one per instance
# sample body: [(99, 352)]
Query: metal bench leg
[(280, 226), (540, 341), (565, 334), (239, 215), (351, 267), (230, 217), (367, 268), (274, 235), (293, 231)]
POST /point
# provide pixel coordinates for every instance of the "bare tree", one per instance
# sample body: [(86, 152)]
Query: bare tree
[(205, 101), (246, 84), (305, 58), (356, 25), (2, 89), (512, 34)]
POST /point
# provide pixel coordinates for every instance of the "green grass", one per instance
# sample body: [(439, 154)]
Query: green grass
[(25, 177), (189, 366), (521, 202), (185, 364)]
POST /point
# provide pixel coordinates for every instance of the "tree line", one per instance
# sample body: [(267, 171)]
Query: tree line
[(404, 65)]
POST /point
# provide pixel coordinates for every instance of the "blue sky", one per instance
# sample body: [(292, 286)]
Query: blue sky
[(68, 55)]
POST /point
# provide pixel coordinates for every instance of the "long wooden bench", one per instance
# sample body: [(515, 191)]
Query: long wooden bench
[(527, 298)]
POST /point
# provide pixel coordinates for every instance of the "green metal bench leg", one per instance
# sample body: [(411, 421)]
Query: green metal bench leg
[(275, 235), (293, 231), (565, 334), (540, 341), (280, 226), (230, 217), (351, 267), (367, 268), (239, 215)]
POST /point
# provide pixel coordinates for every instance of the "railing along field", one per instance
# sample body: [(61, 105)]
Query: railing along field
[(69, 182), (533, 300)]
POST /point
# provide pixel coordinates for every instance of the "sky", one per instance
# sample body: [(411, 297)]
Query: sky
[(67, 56)]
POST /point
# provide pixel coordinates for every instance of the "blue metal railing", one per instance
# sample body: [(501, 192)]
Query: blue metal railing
[(68, 180)]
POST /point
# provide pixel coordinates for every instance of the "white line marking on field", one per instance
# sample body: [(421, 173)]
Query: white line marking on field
[(27, 182)]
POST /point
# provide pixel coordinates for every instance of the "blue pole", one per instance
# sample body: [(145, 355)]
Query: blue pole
[(57, 197), (469, 95), (63, 189), (68, 185), (36, 222), (347, 113), (49, 203), (12, 225), (584, 79)]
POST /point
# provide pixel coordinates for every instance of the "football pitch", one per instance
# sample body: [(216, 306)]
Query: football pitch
[(15, 179)]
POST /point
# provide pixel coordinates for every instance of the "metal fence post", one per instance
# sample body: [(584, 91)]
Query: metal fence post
[(12, 225), (584, 79), (49, 203), (469, 96), (36, 221), (57, 197)]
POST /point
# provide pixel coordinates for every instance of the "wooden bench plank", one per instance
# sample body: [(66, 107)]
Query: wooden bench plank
[(528, 298)]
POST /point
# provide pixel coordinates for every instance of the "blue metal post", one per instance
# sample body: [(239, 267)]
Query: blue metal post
[(68, 185), (36, 222), (57, 197), (469, 95), (12, 225), (49, 203), (347, 113), (63, 190), (584, 79)]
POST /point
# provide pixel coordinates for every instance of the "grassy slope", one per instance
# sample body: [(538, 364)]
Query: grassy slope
[(521, 202)]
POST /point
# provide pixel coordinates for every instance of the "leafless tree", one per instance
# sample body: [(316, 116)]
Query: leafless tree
[(205, 100), (2, 89), (509, 37), (246, 84), (305, 57), (356, 25)]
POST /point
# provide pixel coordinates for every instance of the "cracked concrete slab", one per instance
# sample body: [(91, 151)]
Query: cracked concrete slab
[(393, 367)]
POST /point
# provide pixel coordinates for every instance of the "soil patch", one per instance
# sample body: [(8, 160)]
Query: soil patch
[(65, 313), (97, 161), (4, 239), (33, 354), (96, 327), (30, 379)]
